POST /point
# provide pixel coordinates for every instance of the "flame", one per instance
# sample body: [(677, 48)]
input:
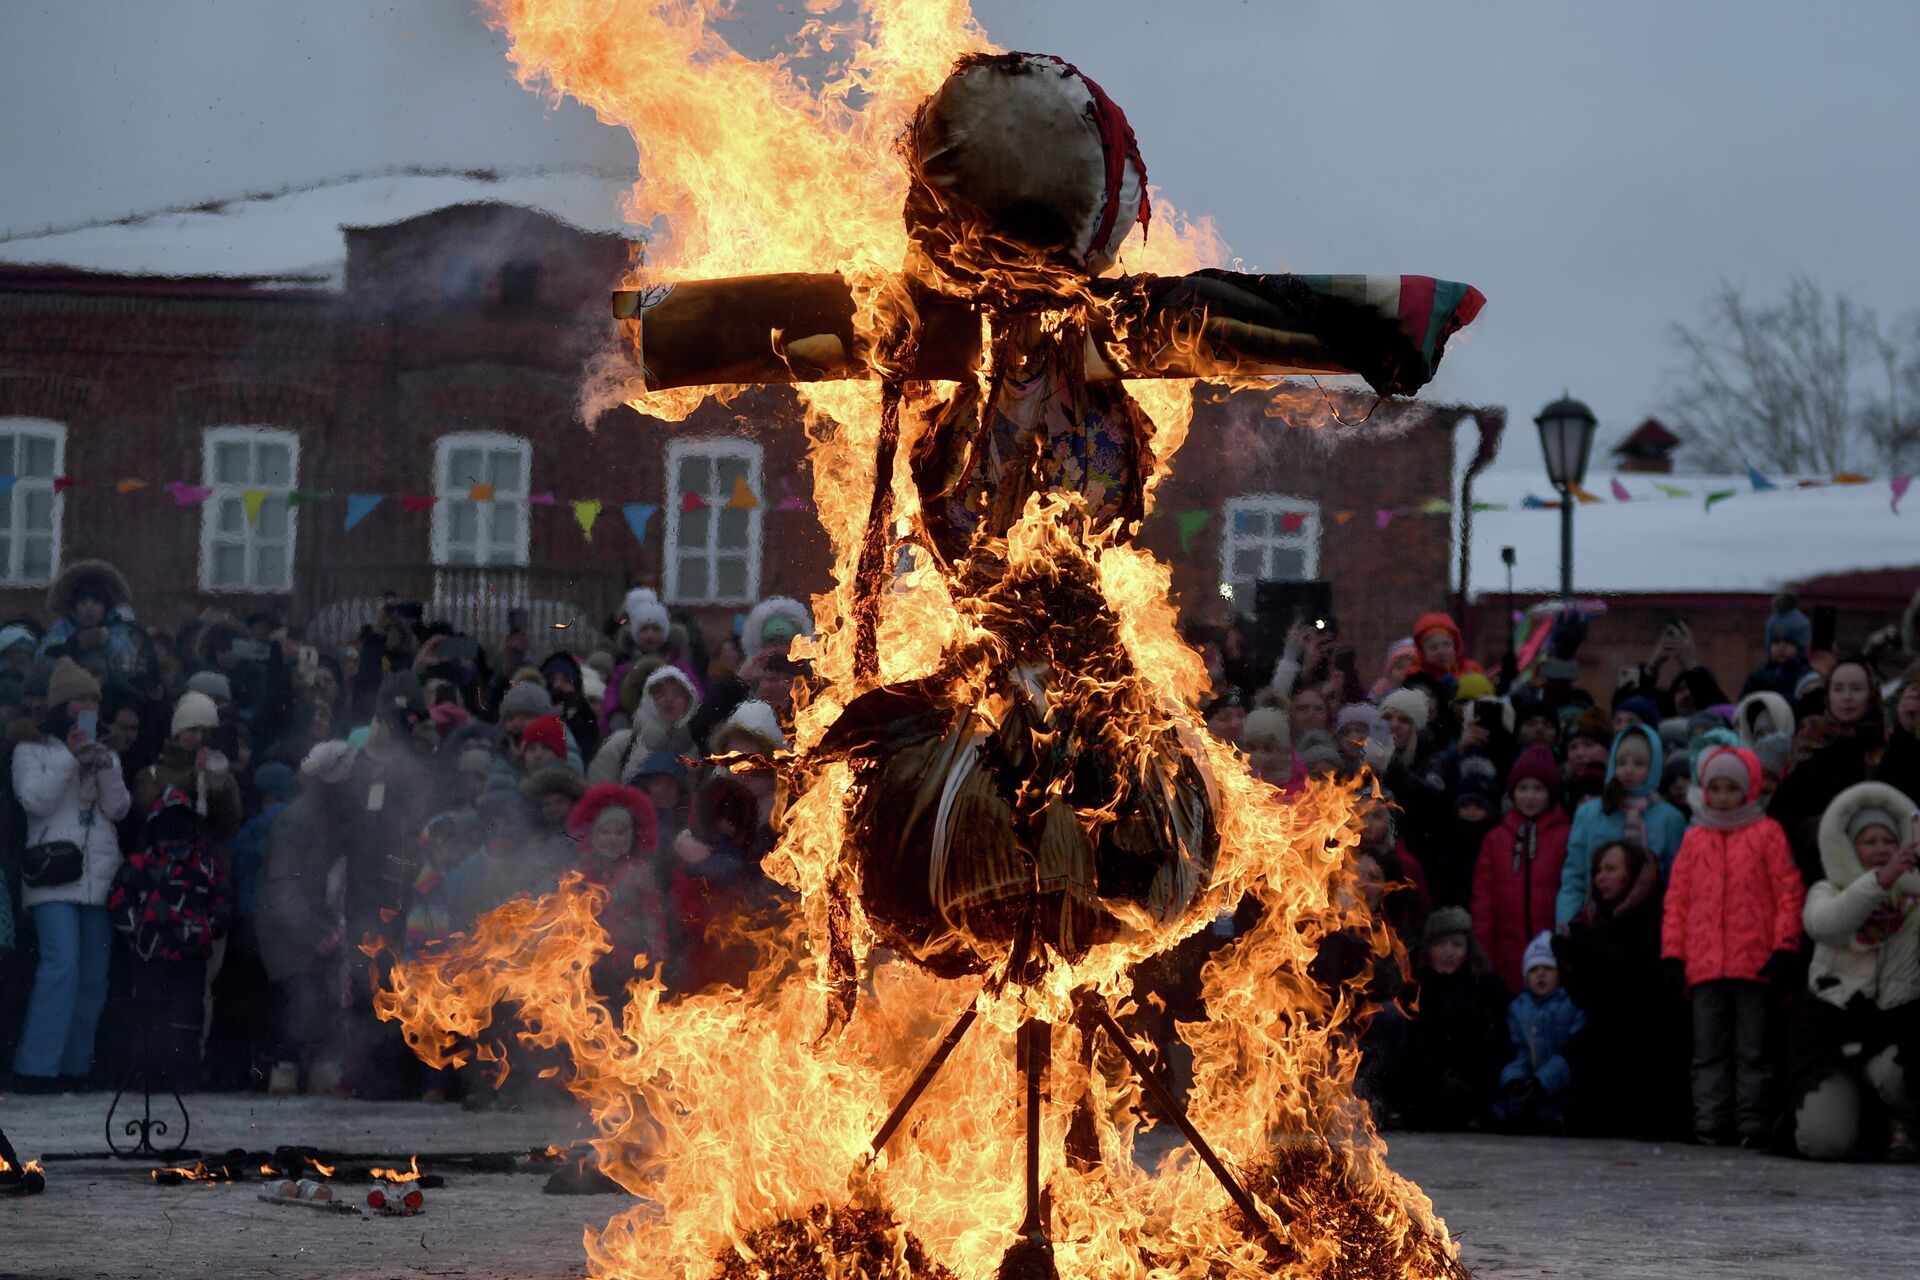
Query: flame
[(200, 1172), (325, 1170), (31, 1166), (398, 1175), (727, 1109)]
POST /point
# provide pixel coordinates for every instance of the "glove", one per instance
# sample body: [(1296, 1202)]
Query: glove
[(1674, 970), (1780, 966)]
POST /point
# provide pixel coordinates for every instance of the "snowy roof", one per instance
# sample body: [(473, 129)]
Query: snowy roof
[(299, 233), (1751, 542)]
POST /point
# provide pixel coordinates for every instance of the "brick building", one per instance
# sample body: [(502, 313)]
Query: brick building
[(449, 357)]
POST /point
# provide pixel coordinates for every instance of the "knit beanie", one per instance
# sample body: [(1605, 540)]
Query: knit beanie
[(1864, 818), (476, 759), (1478, 785), (16, 636), (1446, 922), (275, 781), (1772, 751), (194, 711), (1786, 622), (643, 610), (529, 698), (1318, 750), (330, 762), (211, 683), (1266, 726), (1642, 708), (1410, 703), (1473, 685), (70, 680), (757, 720), (1731, 762), (1673, 734), (1539, 764), (547, 731), (1594, 725), (1539, 952)]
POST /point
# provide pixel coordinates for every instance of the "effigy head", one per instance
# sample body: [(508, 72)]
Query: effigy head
[(1024, 176)]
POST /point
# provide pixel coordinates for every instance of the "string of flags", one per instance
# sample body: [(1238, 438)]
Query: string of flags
[(359, 506)]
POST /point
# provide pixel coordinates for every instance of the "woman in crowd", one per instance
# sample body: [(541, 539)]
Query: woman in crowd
[(1832, 750)]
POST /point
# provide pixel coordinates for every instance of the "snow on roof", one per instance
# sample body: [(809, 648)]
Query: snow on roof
[(299, 234), (1751, 542)]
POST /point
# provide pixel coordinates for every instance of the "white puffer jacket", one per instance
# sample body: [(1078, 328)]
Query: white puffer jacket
[(1887, 970), (47, 780)]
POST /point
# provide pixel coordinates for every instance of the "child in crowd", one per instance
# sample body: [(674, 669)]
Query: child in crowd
[(618, 838), (1630, 809), (1536, 1084), (1856, 1043), (1732, 922), (1517, 879), (170, 899), (1455, 1040)]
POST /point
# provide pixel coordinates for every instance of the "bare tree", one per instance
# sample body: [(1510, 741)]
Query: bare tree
[(1807, 383)]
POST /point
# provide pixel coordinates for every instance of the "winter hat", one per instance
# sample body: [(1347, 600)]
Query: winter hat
[(547, 731), (211, 683), (1318, 750), (402, 693), (601, 663), (606, 798), (1539, 952), (1536, 763), (194, 711), (593, 686), (1786, 622), (1731, 762), (1763, 703), (275, 781), (1673, 734), (1705, 722), (1707, 742), (328, 762), (1444, 923), (1868, 816), (18, 634), (171, 818), (1231, 696), (1593, 725), (754, 718), (476, 759), (1432, 622), (70, 680), (1863, 805), (1410, 703), (527, 699), (1642, 708), (1772, 752), (554, 779), (1479, 785), (643, 610), (1473, 685), (1266, 726), (773, 621), (448, 716)]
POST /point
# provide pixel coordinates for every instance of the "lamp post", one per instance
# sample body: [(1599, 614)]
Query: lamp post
[(1566, 438)]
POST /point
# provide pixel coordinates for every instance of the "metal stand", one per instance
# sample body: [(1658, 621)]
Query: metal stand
[(146, 1126)]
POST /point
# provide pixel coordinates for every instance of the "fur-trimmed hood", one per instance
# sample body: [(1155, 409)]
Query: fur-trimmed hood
[(60, 592), (1837, 857), (549, 779), (784, 607), (1776, 709), (754, 718), (611, 795)]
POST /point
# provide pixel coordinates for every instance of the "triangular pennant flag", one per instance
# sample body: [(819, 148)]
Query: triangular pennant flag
[(1583, 495), (1620, 493), (63, 483), (790, 501), (188, 495), (360, 506), (1341, 517), (253, 500), (1848, 477), (1720, 495), (297, 497), (1241, 519), (1759, 482), (691, 501), (1436, 507), (480, 493), (128, 486), (415, 503), (637, 514), (1532, 503), (742, 499), (1382, 517), (1489, 506), (1190, 524), (1899, 484), (1292, 521), (1673, 490), (585, 512), (541, 500), (7, 483)]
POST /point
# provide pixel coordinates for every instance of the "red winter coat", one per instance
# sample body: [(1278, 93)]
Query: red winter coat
[(1734, 899), (1511, 904)]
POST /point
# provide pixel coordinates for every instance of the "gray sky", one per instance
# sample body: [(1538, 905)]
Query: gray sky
[(1593, 167)]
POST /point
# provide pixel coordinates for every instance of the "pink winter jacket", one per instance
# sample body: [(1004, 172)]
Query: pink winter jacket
[(1734, 900)]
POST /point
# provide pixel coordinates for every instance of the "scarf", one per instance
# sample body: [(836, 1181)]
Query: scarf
[(1526, 844), (1887, 919), (1816, 732), (1731, 819)]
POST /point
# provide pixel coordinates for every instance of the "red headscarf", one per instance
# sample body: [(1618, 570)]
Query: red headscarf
[(1462, 664)]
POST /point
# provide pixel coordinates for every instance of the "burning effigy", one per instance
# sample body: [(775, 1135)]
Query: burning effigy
[(1000, 799)]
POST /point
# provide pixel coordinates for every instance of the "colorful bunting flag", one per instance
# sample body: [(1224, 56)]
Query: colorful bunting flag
[(1436, 507), (637, 514), (1900, 484), (1759, 482), (1848, 477), (1190, 524), (1383, 517), (1341, 517), (63, 483), (1531, 503), (585, 512), (252, 500), (360, 506), (7, 483), (188, 495), (1583, 496), (415, 503), (297, 497), (791, 501), (480, 493), (691, 501), (1620, 493), (541, 499), (1720, 495), (1490, 506), (1292, 521), (125, 487), (742, 499), (1673, 490)]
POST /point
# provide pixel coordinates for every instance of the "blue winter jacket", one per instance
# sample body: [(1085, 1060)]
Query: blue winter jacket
[(1594, 829), (1539, 1031)]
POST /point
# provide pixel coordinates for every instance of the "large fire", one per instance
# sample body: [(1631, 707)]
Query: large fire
[(747, 1119)]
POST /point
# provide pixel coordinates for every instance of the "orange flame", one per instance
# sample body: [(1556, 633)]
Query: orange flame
[(398, 1175), (726, 1109), (325, 1170)]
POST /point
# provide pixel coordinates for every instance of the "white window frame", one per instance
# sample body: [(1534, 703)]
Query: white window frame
[(210, 533), (1273, 506), (713, 450), (497, 441), (20, 428)]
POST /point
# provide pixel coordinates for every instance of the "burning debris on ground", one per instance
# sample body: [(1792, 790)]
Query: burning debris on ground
[(825, 1244)]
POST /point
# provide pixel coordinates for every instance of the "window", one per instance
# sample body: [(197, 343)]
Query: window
[(487, 531), (33, 451), (243, 549), (1268, 539), (713, 550)]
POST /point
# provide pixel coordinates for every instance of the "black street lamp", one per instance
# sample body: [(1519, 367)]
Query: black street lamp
[(1566, 438)]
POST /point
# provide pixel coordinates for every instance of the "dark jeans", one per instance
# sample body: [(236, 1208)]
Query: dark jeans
[(304, 1018), (1731, 1073), (169, 1000)]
